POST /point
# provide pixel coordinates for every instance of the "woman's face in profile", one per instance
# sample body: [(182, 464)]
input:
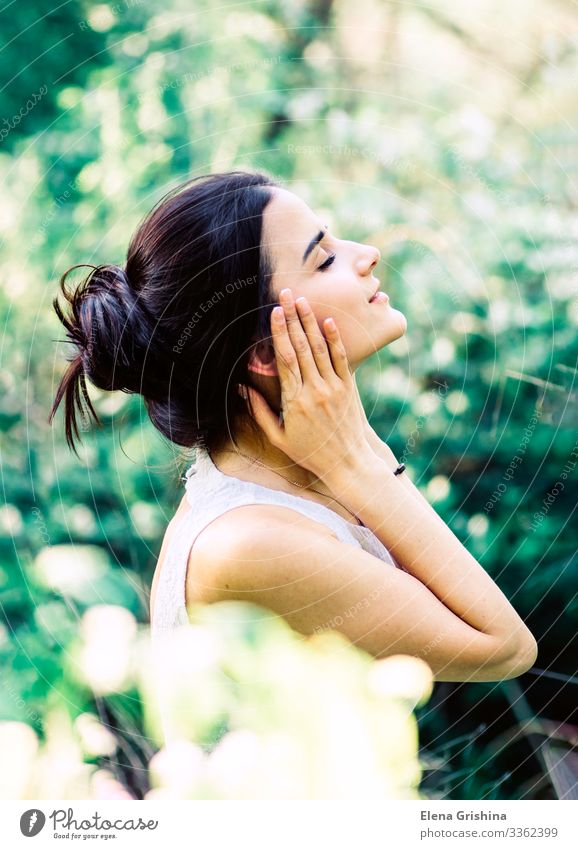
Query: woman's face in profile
[(341, 287)]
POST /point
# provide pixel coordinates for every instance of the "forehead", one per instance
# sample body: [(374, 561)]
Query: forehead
[(288, 224)]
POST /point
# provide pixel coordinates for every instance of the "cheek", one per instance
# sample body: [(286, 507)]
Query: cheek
[(350, 325), (340, 300)]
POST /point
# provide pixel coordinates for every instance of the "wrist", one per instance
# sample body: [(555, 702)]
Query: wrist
[(348, 472), (381, 448), (370, 477)]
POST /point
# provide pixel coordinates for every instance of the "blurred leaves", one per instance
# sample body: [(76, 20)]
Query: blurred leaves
[(443, 136)]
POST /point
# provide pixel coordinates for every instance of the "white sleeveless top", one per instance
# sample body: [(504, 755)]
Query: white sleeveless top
[(209, 493)]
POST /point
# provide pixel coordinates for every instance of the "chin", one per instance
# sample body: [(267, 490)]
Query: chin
[(402, 322), (394, 327), (377, 334)]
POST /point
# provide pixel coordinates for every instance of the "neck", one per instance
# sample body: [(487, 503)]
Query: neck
[(273, 458), (263, 450)]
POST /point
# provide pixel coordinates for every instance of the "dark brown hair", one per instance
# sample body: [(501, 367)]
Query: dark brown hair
[(177, 323)]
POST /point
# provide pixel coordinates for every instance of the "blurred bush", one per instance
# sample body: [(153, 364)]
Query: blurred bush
[(235, 706)]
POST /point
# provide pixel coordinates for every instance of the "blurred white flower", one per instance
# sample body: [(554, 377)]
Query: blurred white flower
[(178, 769), (101, 18), (478, 524), (89, 177), (464, 322), (443, 351), (18, 750), (499, 314), (81, 520), (105, 658), (95, 738), (438, 488), (59, 770), (318, 54), (146, 519), (68, 568), (426, 403), (401, 677), (112, 403), (11, 519), (457, 402), (392, 381), (245, 765), (249, 23), (104, 785), (185, 690), (307, 104), (135, 44)]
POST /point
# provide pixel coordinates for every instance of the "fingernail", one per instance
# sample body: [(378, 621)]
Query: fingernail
[(303, 305), (286, 295), (242, 391), (278, 314)]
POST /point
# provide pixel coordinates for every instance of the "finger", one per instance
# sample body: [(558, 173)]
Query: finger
[(337, 349), (285, 356), (317, 340), (267, 420), (298, 337)]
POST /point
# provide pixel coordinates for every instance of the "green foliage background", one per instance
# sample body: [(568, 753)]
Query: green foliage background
[(444, 135)]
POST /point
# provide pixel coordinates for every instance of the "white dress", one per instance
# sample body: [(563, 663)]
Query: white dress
[(209, 493)]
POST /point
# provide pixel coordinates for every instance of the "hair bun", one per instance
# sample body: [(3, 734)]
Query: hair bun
[(111, 330), (116, 331), (110, 327)]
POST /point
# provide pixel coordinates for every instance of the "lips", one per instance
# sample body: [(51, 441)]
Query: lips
[(378, 297)]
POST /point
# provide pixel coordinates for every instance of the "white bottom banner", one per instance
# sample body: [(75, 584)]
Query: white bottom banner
[(291, 824)]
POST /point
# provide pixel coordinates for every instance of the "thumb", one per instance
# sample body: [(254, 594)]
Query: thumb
[(264, 415)]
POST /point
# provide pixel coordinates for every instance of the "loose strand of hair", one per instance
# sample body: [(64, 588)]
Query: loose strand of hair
[(72, 386)]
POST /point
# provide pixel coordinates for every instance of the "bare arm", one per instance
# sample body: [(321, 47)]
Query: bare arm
[(278, 559), (425, 547), (493, 599)]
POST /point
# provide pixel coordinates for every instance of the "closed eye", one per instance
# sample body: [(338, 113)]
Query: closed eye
[(327, 262)]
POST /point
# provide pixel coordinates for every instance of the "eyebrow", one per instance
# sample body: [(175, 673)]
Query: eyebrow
[(314, 241)]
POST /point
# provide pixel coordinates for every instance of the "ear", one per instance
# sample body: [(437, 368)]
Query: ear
[(262, 360)]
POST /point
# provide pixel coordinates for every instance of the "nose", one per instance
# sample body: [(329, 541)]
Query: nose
[(369, 259)]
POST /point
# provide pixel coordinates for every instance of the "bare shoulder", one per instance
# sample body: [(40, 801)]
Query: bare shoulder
[(282, 560), (227, 551), (241, 526)]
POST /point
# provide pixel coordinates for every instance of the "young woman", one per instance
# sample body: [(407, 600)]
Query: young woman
[(241, 319)]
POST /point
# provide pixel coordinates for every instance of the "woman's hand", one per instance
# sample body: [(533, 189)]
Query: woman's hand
[(323, 427)]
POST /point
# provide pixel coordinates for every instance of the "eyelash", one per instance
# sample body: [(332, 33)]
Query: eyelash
[(327, 262)]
